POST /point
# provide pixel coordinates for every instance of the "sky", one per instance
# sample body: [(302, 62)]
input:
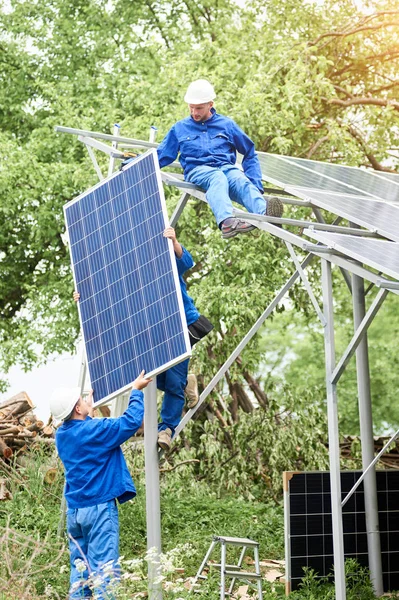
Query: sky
[(40, 382)]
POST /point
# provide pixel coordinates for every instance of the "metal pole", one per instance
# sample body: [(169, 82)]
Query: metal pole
[(333, 433), (114, 146), (366, 436), (152, 494)]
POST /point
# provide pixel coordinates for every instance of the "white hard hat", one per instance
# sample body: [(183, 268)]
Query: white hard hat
[(199, 92), (63, 402)]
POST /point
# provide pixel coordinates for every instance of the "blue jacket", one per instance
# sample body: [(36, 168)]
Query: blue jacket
[(184, 263), (95, 468), (213, 143)]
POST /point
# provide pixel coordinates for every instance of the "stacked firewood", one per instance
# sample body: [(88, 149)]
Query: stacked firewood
[(19, 427)]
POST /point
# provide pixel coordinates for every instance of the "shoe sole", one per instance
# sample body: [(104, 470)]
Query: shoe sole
[(275, 207), (163, 446), (235, 232)]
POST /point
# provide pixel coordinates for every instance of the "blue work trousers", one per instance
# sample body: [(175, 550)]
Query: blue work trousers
[(94, 539), (173, 383), (224, 184)]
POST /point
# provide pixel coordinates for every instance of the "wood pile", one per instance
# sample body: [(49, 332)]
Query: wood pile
[(19, 426)]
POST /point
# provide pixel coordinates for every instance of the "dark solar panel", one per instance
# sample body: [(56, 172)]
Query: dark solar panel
[(372, 214), (130, 305), (360, 180), (378, 254), (310, 542)]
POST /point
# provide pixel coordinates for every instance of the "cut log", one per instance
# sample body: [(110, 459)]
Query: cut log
[(47, 431), (5, 450), (18, 404), (37, 426), (4, 493), (50, 475), (11, 430)]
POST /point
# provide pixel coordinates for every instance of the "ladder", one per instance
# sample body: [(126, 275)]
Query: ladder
[(232, 571)]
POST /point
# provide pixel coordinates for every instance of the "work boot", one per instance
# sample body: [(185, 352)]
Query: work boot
[(165, 438), (191, 391), (232, 226), (274, 207)]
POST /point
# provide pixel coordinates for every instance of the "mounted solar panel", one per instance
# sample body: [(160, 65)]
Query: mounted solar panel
[(280, 171), (308, 524), (360, 180), (377, 216), (130, 306), (377, 254)]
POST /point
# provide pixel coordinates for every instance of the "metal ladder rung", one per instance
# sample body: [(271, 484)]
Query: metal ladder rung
[(233, 541), (243, 575)]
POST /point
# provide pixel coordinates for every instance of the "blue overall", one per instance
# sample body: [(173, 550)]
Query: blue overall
[(96, 474), (174, 380), (208, 154)]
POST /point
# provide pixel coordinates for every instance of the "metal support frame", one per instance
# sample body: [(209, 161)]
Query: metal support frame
[(371, 465), (333, 433), (358, 335), (212, 384), (333, 372), (366, 436), (152, 492), (302, 223), (321, 219), (306, 283)]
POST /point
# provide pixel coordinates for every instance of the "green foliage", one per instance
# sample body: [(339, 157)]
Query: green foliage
[(35, 564)]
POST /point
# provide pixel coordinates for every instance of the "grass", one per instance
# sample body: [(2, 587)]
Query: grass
[(34, 563)]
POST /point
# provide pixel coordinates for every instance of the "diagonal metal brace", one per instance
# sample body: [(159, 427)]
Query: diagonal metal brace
[(212, 384), (360, 332), (307, 285)]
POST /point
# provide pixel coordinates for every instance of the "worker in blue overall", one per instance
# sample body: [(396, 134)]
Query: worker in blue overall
[(207, 144), (176, 383), (96, 475), (173, 382)]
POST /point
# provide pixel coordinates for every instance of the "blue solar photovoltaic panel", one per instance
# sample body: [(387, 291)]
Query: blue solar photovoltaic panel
[(381, 217), (377, 254), (130, 305)]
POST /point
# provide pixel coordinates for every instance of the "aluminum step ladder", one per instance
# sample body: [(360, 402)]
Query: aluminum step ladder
[(233, 571)]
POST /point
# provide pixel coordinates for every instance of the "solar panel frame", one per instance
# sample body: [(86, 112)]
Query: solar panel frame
[(377, 254), (121, 319)]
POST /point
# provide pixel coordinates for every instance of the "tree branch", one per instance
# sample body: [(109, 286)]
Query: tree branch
[(359, 138), (364, 101)]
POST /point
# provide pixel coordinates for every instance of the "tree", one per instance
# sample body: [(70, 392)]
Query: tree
[(301, 78)]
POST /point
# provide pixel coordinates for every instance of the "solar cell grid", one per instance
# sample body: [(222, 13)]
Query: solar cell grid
[(130, 303), (310, 533)]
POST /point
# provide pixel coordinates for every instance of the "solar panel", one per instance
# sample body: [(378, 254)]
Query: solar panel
[(309, 539), (389, 176), (378, 216), (377, 254), (360, 180), (130, 305), (280, 171)]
